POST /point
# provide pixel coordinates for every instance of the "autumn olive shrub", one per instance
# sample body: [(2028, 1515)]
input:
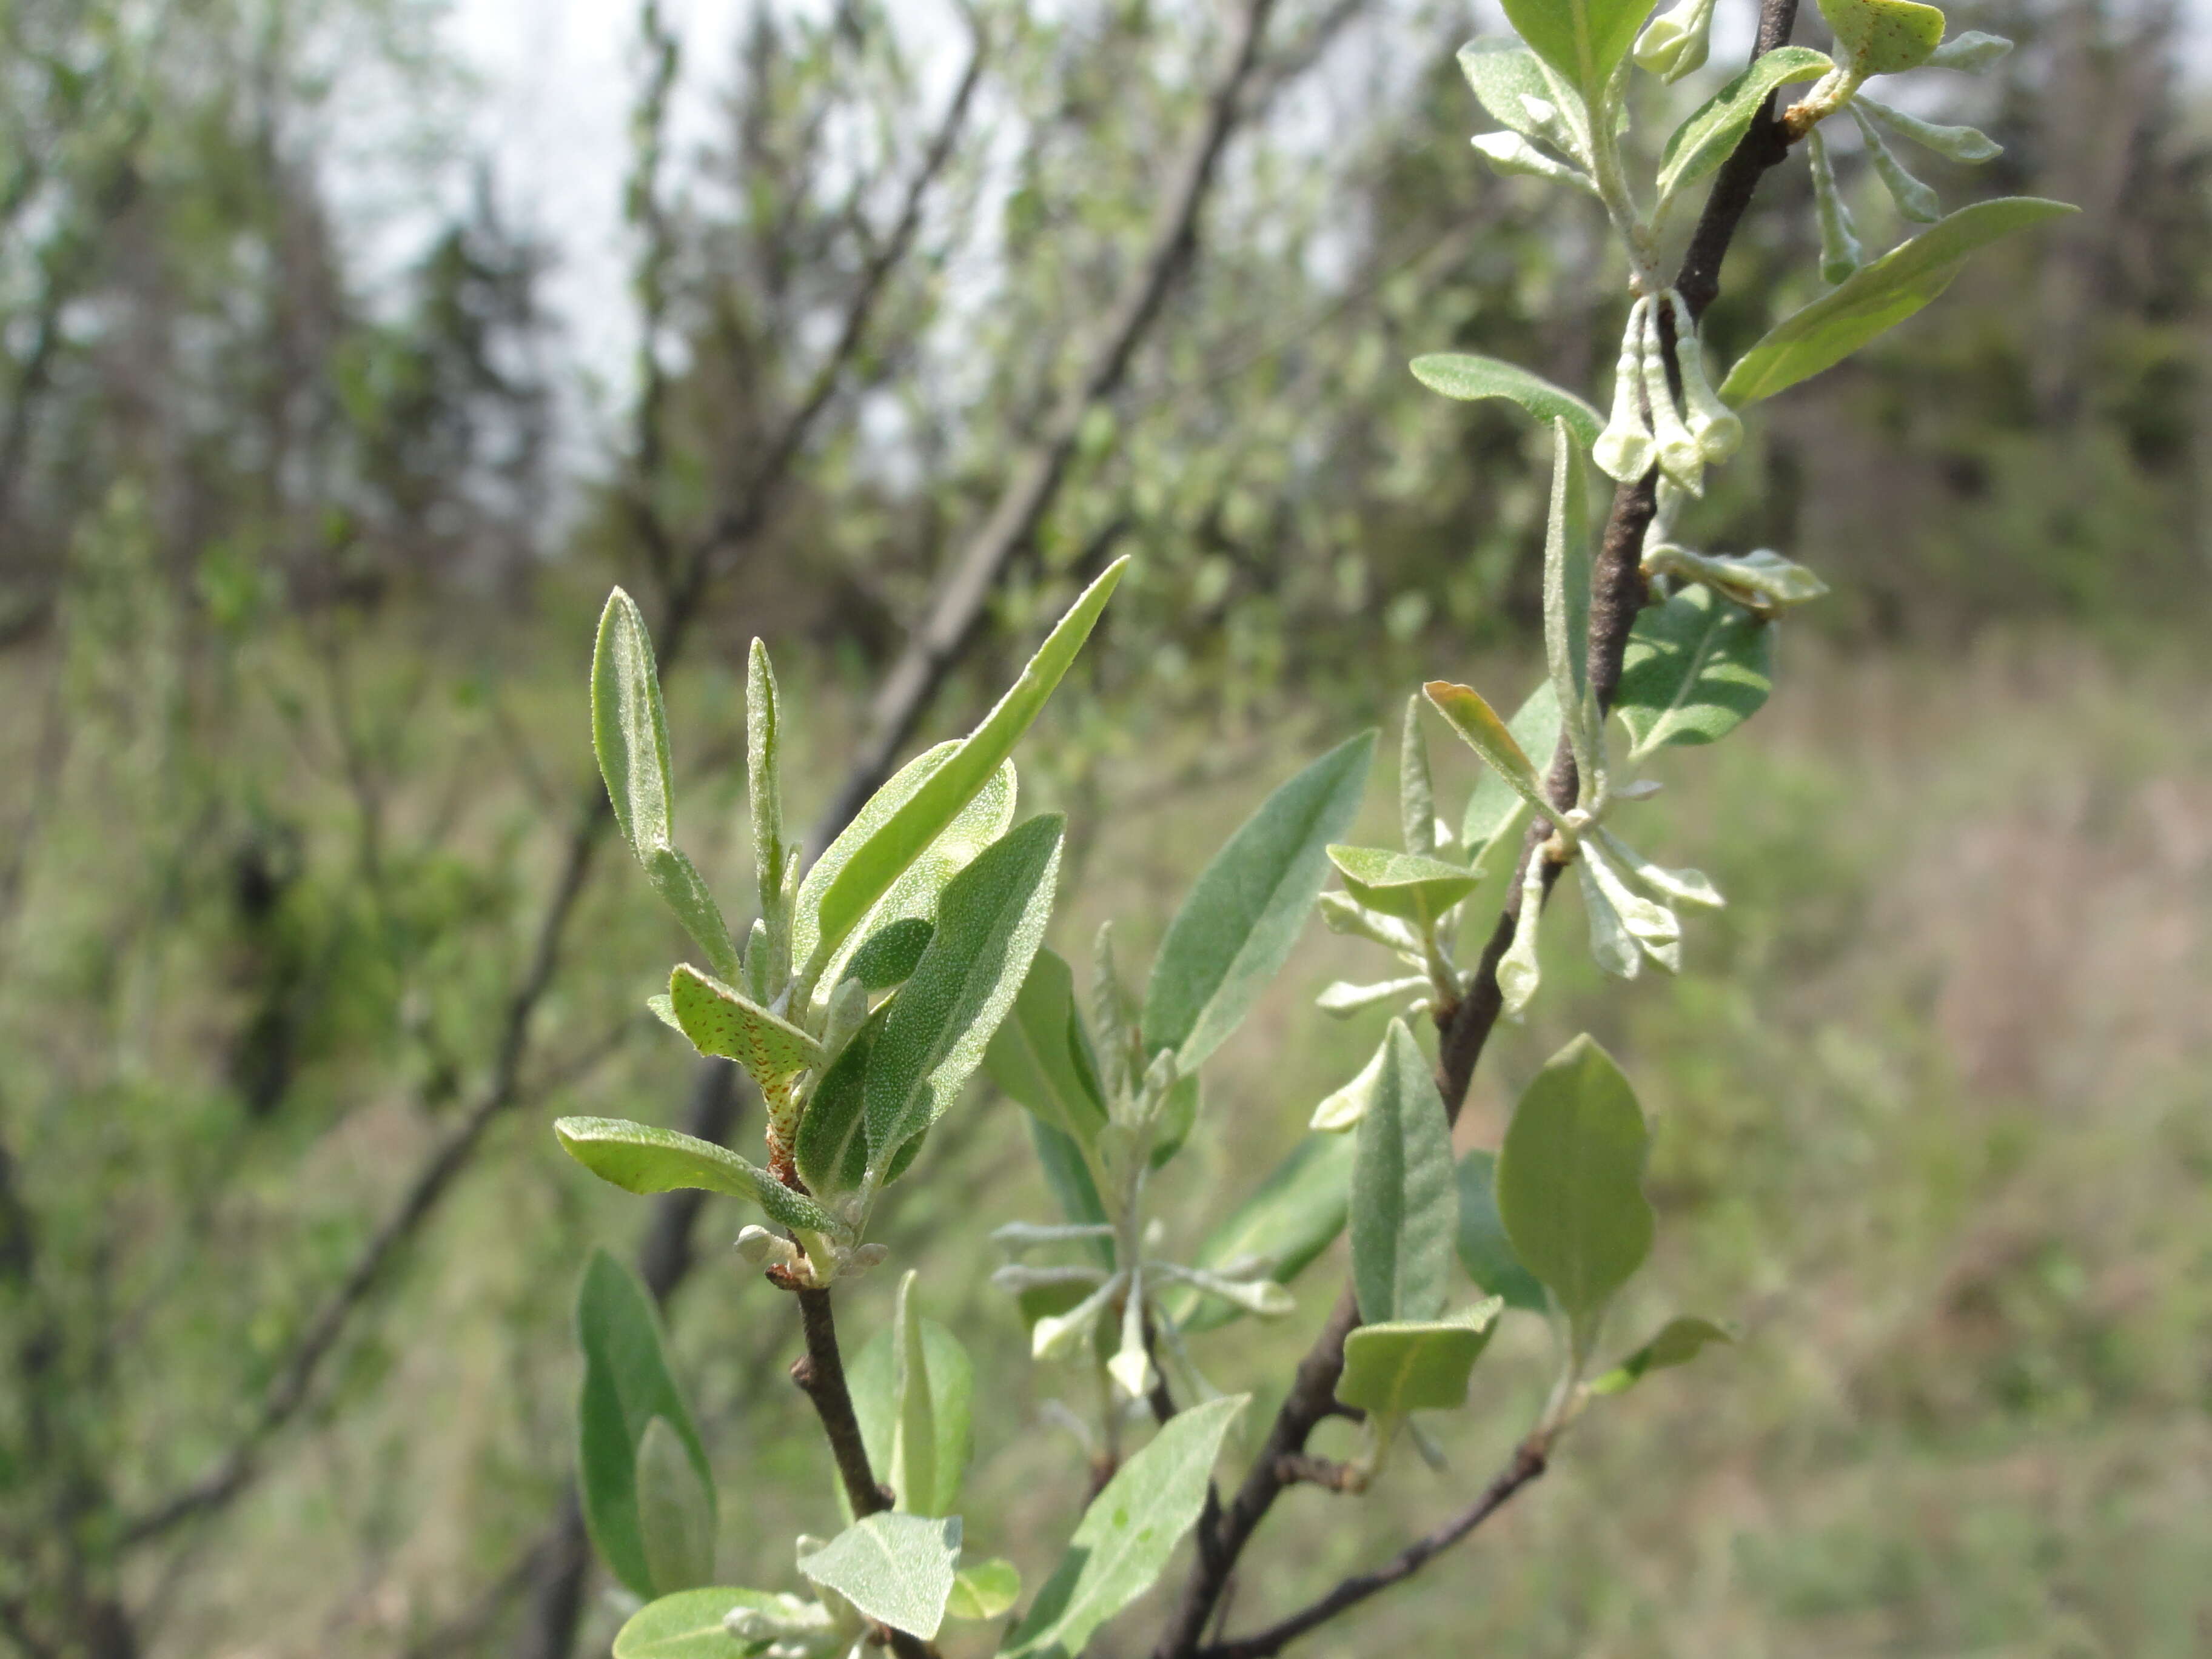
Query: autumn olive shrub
[(877, 980)]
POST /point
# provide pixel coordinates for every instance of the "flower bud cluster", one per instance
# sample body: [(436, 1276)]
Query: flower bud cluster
[(1648, 424)]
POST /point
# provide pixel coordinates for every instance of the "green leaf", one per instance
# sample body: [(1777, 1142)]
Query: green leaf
[(1703, 141), (1477, 722), (895, 1568), (1484, 1249), (627, 1388), (1414, 1365), (915, 895), (1495, 806), (1761, 580), (1915, 200), (1679, 1342), (1467, 378), (675, 1511), (689, 1625), (1877, 297), (1245, 912), (1128, 1535), (1567, 595), (1178, 1116), (1403, 885), (1417, 790), (913, 1389), (831, 1147), (878, 861), (638, 1157), (874, 813), (990, 921), (1041, 1055), (1696, 668), (985, 1590), (1570, 1183), (1405, 1201), (1292, 1218), (889, 956), (764, 779), (630, 734), (720, 1022), (1583, 39), (1505, 76), (1883, 36)]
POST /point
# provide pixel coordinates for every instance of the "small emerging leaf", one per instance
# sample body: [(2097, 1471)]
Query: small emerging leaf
[(1679, 1342), (1495, 807), (1883, 36), (1703, 143), (1477, 722), (1402, 885), (1511, 82)]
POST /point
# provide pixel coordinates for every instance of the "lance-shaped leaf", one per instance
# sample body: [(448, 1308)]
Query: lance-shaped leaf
[(1468, 377), (1567, 597), (765, 785), (894, 1567), (1343, 999), (1417, 789), (1414, 1365), (1964, 145), (720, 1022), (639, 1157), (1495, 806), (1696, 668), (874, 813), (1703, 143), (1510, 81), (1243, 915), (675, 1511), (627, 1388), (1404, 1198), (1128, 1535), (1571, 1184), (629, 735), (1883, 36), (1914, 199), (990, 921), (1484, 1249), (913, 1389), (1345, 1108), (1041, 1054), (1583, 39), (1403, 885), (1290, 1218), (984, 1589), (1877, 297), (1477, 722), (889, 955), (1679, 1342), (1611, 942), (692, 1624), (879, 861)]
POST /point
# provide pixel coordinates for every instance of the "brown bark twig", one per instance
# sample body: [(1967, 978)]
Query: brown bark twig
[(1617, 594)]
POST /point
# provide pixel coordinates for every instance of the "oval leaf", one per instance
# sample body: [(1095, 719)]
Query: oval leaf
[(1883, 36), (1505, 76), (1679, 1342), (1404, 1199), (1414, 1365), (895, 1568), (1484, 1249), (985, 1590), (1570, 1183), (1402, 885), (690, 1625), (720, 1022), (1696, 668), (1877, 297), (1466, 377), (1245, 912)]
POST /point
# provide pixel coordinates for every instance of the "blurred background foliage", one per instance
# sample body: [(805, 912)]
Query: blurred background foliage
[(304, 938)]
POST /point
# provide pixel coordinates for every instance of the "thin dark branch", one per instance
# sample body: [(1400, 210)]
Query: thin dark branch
[(1617, 594), (1528, 1464)]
